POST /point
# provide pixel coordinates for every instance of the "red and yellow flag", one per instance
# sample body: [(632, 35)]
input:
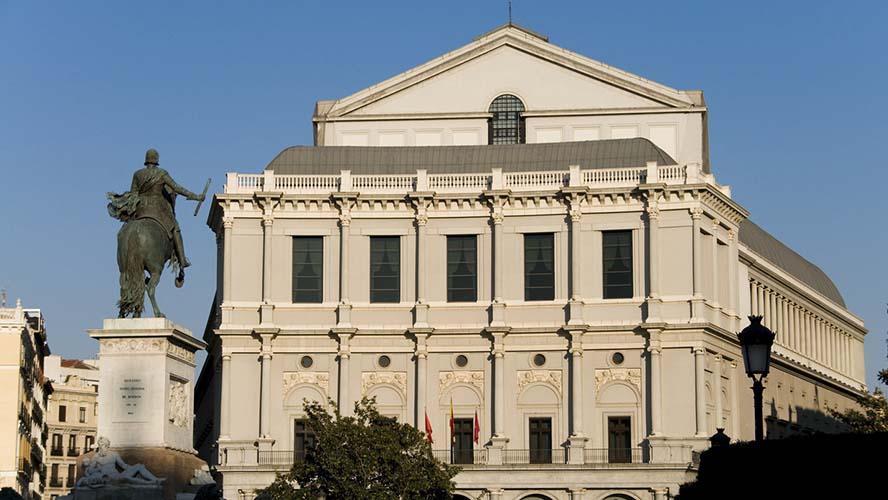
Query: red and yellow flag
[(428, 427), (452, 433)]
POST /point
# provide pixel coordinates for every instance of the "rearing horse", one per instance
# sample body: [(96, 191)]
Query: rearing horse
[(143, 245)]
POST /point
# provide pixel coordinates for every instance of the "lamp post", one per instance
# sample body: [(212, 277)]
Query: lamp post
[(755, 342)]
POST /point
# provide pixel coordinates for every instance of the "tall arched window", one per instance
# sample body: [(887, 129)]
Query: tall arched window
[(506, 126)]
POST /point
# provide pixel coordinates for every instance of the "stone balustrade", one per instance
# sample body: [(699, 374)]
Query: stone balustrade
[(496, 179)]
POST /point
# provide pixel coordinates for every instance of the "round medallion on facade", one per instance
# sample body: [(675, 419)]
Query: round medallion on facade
[(617, 358), (384, 361), (462, 361), (539, 359), (306, 361)]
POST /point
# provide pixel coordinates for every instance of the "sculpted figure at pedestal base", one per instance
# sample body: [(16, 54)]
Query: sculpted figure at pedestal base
[(107, 468)]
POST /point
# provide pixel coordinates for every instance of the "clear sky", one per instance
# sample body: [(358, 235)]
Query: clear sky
[(796, 92)]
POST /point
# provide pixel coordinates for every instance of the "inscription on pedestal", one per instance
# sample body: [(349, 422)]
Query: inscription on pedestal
[(131, 399)]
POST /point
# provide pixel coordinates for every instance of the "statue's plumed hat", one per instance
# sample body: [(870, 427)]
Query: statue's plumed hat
[(152, 157)]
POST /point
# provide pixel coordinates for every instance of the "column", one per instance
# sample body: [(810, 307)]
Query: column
[(267, 307), (717, 391), (653, 213), (575, 306), (715, 262), (577, 493), (656, 389), (760, 299), (498, 306), (499, 353), (344, 309), (421, 308), (228, 224), (733, 263), (495, 494), (265, 391), (225, 404), (661, 493), (700, 390), (421, 380), (345, 405), (577, 440), (696, 213)]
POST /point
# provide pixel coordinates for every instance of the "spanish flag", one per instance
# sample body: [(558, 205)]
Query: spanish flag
[(452, 433), (428, 427)]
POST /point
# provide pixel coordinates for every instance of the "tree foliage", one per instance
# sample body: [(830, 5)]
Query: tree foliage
[(364, 457)]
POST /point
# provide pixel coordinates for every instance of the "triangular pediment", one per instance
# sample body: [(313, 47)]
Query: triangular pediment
[(508, 60)]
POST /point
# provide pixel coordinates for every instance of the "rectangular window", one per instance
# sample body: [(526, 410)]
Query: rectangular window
[(63, 413), (461, 448), (72, 473), (88, 445), (308, 269), (540, 440), (82, 415), (72, 446), (462, 268), (619, 440), (539, 266), (385, 269), (54, 475), (56, 445), (616, 253), (304, 439)]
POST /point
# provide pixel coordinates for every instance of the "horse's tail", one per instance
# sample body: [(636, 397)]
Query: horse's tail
[(132, 272)]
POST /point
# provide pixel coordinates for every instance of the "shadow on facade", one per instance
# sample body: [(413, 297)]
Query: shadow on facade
[(815, 466)]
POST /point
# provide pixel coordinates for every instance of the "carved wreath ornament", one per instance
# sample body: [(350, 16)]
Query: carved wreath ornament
[(396, 379), (292, 379), (631, 375), (548, 377), (472, 378)]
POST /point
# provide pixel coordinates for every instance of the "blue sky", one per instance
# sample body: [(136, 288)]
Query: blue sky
[(796, 92)]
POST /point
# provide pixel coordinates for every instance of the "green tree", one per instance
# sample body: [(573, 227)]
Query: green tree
[(364, 457)]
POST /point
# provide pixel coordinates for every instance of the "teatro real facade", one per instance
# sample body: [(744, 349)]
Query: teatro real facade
[(532, 235)]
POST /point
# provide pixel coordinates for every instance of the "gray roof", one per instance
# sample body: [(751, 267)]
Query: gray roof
[(612, 153), (771, 249)]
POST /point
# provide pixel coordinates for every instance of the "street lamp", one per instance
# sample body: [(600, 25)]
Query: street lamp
[(755, 341)]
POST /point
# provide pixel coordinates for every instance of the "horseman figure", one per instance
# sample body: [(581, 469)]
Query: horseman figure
[(150, 235)]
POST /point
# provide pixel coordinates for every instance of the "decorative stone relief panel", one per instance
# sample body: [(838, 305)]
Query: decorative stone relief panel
[(178, 413), (292, 379), (180, 352), (549, 377), (473, 378), (631, 375), (131, 345), (397, 379)]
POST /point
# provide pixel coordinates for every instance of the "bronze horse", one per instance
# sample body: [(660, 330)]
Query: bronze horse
[(143, 245)]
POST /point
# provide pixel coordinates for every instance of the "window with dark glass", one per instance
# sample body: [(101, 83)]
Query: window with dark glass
[(617, 259), (304, 439), (540, 440), (308, 269), (82, 415), (54, 473), (506, 125), (63, 413), (90, 441), (462, 268), (56, 445), (461, 451), (385, 269), (72, 445), (72, 473), (539, 266), (619, 440)]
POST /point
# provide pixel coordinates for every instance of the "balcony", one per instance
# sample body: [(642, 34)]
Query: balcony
[(55, 482), (73, 452), (461, 457), (465, 182), (57, 452), (69, 482), (25, 467)]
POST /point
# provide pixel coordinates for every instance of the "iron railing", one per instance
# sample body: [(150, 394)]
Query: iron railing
[(536, 456), (461, 457), (280, 457), (74, 452)]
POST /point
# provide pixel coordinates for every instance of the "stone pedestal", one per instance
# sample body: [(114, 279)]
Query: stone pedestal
[(146, 398)]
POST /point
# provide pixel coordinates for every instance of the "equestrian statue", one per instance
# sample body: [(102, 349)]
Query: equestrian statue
[(150, 236)]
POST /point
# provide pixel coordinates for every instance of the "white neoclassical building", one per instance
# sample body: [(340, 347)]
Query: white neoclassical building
[(533, 236)]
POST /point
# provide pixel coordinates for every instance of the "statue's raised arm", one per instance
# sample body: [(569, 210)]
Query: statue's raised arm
[(150, 236)]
